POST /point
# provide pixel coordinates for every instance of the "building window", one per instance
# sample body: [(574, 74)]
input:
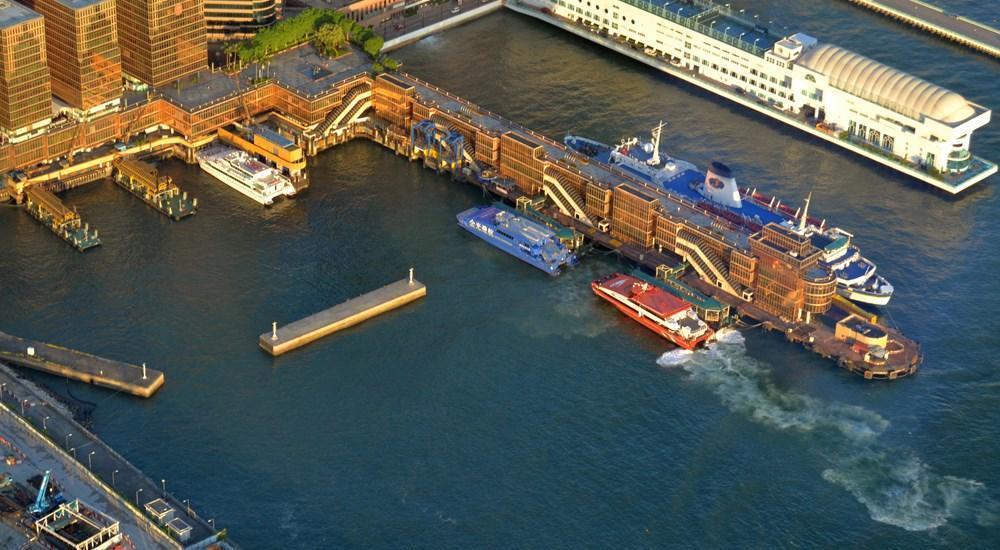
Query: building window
[(874, 136), (887, 142), (810, 78)]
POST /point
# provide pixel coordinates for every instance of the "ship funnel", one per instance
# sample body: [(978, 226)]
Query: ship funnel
[(720, 186)]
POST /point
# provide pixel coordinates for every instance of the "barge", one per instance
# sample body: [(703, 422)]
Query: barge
[(60, 219), (144, 181)]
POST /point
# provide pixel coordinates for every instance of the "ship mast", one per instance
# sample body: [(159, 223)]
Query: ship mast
[(655, 161), (805, 214)]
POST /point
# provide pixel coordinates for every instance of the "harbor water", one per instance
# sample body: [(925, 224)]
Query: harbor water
[(511, 409)]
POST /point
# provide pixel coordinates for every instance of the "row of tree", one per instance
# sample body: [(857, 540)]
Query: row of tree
[(329, 30)]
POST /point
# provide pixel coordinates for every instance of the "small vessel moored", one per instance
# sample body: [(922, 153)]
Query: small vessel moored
[(249, 176), (654, 308), (518, 236)]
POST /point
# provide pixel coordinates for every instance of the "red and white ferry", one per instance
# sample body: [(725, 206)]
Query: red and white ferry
[(654, 308)]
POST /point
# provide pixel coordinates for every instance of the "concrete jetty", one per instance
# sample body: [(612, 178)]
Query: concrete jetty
[(341, 316), (136, 380), (928, 17)]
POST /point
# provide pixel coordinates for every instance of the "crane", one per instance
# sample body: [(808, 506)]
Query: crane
[(42, 504)]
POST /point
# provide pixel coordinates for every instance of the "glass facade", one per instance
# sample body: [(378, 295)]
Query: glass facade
[(25, 94), (235, 18), (162, 40), (82, 47)]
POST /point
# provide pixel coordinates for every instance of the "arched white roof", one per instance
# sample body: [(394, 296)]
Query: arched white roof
[(884, 85)]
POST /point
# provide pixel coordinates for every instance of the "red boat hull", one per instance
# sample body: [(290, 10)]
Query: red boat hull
[(648, 323)]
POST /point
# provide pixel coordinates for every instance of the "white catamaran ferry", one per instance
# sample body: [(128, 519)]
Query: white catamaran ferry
[(246, 174)]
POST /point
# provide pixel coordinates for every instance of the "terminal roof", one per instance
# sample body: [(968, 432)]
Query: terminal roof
[(888, 87)]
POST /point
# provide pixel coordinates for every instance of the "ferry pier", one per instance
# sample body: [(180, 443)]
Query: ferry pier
[(140, 381)]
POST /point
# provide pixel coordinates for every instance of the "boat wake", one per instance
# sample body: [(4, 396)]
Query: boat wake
[(895, 486)]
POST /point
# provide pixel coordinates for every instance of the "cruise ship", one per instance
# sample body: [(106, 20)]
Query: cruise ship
[(718, 193), (525, 239), (654, 308), (246, 174), (847, 99)]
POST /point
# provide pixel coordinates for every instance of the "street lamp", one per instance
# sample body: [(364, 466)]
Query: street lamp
[(3, 390), (113, 484), (45, 425), (187, 504), (23, 401), (73, 450), (211, 521), (137, 496), (90, 460), (163, 483), (67, 439)]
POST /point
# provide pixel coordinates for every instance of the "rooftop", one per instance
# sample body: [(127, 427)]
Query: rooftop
[(888, 87), (12, 13), (80, 4)]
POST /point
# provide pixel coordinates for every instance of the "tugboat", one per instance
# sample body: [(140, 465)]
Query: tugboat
[(654, 308), (518, 236)]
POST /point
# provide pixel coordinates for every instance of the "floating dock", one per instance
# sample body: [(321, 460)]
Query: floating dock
[(142, 180), (928, 17), (350, 313), (62, 220), (136, 380)]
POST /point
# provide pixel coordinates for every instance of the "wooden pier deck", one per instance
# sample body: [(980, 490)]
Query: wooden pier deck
[(294, 335), (928, 17), (136, 380)]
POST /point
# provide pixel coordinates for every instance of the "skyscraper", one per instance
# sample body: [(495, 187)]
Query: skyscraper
[(82, 48), (25, 96), (162, 40), (235, 18)]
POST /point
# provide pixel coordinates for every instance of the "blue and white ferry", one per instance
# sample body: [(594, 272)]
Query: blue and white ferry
[(716, 191), (518, 236)]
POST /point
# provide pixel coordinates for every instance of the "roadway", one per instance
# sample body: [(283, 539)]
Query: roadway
[(91, 454)]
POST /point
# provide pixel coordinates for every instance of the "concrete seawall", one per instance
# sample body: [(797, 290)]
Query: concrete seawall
[(448, 23), (139, 381), (341, 316)]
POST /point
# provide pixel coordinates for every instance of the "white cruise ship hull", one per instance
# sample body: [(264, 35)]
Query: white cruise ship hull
[(215, 166), (856, 295)]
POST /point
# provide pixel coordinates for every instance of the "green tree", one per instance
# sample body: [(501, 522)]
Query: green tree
[(373, 46), (329, 38)]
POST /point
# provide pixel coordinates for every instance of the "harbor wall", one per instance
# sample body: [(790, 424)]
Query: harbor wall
[(780, 116), (448, 23)]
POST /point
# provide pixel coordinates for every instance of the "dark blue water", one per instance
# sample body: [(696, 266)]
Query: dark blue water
[(509, 409)]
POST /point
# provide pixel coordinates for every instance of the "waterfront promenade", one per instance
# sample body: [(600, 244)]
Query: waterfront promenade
[(93, 461), (935, 20)]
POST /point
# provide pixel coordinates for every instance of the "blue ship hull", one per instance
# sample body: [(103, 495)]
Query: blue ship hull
[(522, 238)]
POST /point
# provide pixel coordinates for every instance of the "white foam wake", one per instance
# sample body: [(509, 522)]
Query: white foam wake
[(895, 486)]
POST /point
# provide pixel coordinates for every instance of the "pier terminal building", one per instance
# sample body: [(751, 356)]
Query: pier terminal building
[(844, 94)]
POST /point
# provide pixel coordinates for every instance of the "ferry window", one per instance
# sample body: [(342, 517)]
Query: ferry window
[(605, 10), (743, 78), (810, 78), (633, 21), (687, 45), (771, 90), (753, 72), (781, 94)]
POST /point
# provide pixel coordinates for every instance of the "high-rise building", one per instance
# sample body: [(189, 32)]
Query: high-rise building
[(239, 18), (82, 47), (162, 40), (25, 96)]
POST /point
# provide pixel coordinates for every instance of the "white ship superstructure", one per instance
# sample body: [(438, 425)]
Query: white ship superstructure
[(246, 174), (839, 92)]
